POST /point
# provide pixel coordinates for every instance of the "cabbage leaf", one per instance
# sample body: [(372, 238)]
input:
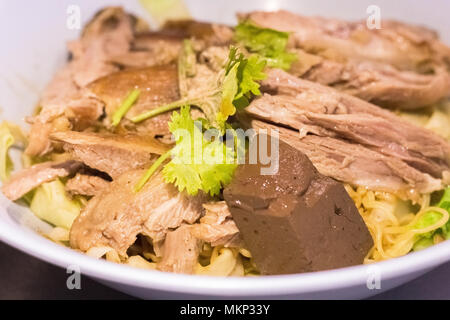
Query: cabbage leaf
[(51, 203), (425, 240), (10, 134)]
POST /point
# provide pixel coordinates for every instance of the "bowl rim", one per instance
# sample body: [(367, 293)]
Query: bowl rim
[(32, 243)]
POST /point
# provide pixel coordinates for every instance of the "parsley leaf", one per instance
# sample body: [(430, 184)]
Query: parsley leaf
[(270, 44)]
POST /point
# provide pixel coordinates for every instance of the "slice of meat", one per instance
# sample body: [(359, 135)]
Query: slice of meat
[(111, 153), (39, 142), (403, 46), (217, 226), (399, 66), (109, 34), (357, 165), (304, 105), (210, 33), (386, 86), (86, 185), (163, 46), (296, 219), (62, 102), (158, 86), (144, 59), (26, 180), (118, 214), (379, 83), (181, 251)]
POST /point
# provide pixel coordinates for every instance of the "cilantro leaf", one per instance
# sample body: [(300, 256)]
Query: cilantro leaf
[(197, 164), (270, 44), (249, 72)]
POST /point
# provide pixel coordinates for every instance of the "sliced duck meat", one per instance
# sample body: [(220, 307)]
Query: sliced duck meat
[(158, 86), (296, 219), (118, 214), (356, 164), (109, 34), (86, 185), (211, 34), (180, 252), (39, 143), (63, 106), (217, 226), (380, 83), (403, 46), (398, 66), (26, 180), (111, 153), (308, 106), (163, 46), (143, 59), (65, 99)]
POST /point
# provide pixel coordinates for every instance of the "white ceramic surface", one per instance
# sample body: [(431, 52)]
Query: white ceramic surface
[(33, 37)]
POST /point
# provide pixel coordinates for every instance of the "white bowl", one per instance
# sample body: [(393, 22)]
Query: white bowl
[(34, 34)]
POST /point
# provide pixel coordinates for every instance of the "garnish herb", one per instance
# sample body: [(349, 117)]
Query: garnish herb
[(268, 43), (198, 164), (125, 107), (236, 84)]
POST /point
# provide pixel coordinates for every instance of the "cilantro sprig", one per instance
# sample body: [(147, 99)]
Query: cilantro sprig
[(268, 43), (198, 164), (236, 84)]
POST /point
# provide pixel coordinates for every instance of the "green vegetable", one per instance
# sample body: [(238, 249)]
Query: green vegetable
[(423, 243), (444, 203), (431, 218), (236, 85), (249, 71), (152, 170), (125, 107), (270, 44), (197, 164), (51, 204), (165, 10), (9, 135)]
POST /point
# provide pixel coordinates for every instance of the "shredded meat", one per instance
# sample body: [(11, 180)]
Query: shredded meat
[(86, 185), (26, 180), (352, 140), (356, 164), (111, 153), (180, 252), (109, 34), (65, 100), (311, 107), (399, 66), (115, 216), (217, 226)]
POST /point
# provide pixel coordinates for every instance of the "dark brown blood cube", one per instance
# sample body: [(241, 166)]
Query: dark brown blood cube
[(296, 220)]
